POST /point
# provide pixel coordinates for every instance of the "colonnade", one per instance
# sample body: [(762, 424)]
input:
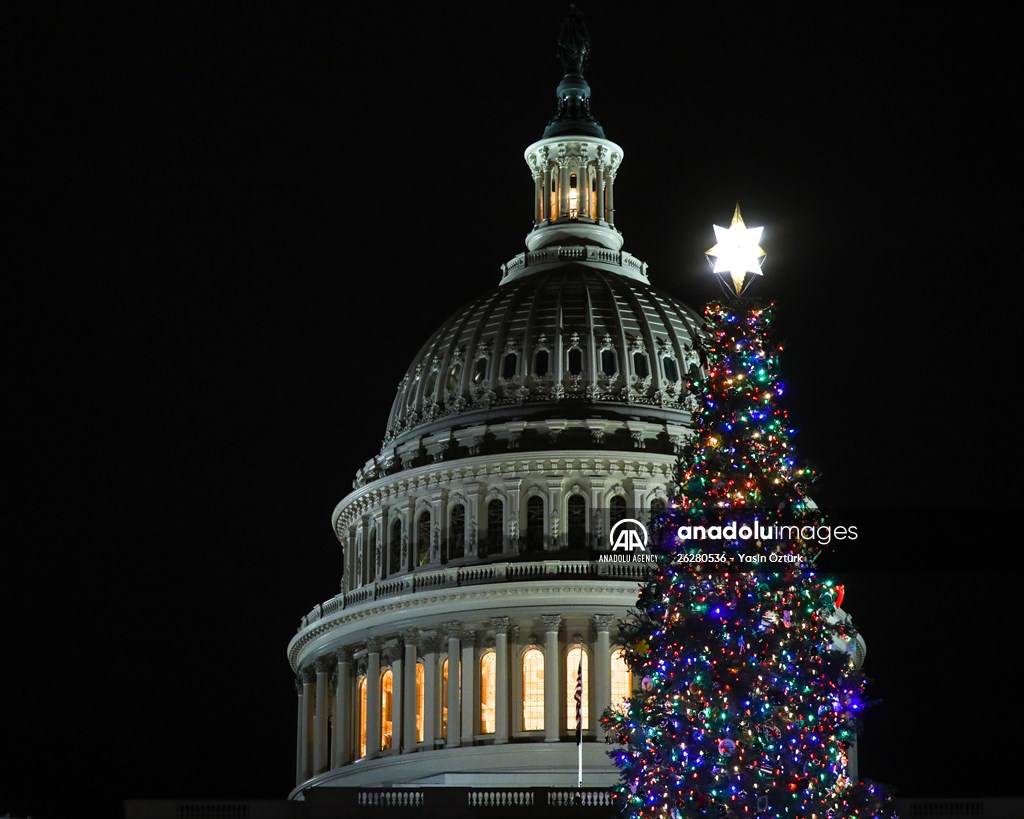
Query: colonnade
[(397, 693)]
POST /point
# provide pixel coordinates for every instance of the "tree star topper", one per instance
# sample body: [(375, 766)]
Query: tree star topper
[(737, 252)]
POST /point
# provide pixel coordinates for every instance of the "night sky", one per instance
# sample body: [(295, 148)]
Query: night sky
[(236, 224)]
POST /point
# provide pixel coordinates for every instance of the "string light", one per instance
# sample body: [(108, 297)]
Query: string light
[(747, 707)]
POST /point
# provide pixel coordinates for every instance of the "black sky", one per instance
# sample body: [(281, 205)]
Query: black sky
[(236, 224)]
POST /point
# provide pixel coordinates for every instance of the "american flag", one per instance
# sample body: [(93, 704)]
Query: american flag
[(579, 702)]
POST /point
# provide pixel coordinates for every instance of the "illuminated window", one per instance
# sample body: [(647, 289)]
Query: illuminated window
[(574, 198), (533, 690), (395, 548), (361, 696), (495, 526), (535, 524), (423, 539), (488, 695), (457, 532), (622, 678), (572, 666), (577, 523), (419, 701), (444, 698), (386, 709)]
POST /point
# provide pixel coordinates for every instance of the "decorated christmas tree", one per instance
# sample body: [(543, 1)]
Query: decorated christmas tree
[(750, 690)]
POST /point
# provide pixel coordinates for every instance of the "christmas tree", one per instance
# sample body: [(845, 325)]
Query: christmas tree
[(750, 691)]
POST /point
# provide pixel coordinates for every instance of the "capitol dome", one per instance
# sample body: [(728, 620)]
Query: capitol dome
[(533, 421), (574, 339)]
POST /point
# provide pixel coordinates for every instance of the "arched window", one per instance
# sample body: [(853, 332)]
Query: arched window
[(420, 677), (616, 510), (657, 508), (386, 708), (361, 696), (535, 524), (423, 538), (608, 362), (541, 363), (488, 691), (444, 698), (509, 365), (495, 527), (574, 197), (575, 361), (671, 370), (480, 371), (577, 523), (622, 678), (573, 659), (457, 532), (533, 690), (640, 369), (395, 548)]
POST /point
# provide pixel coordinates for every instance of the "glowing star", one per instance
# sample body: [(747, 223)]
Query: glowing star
[(737, 252)]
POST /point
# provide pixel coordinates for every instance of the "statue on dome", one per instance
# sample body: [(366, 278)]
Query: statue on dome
[(573, 42)]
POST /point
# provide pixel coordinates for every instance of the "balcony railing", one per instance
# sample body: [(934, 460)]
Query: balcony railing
[(477, 574)]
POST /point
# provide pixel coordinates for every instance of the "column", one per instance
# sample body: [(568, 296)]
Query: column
[(306, 741), (608, 197), (376, 526), (552, 712), (601, 690), (323, 670), (472, 526), (512, 488), (538, 192), (373, 647), (409, 692), (583, 183), (431, 645), (600, 184), (341, 752), (454, 632), (599, 524), (469, 699), (546, 200), (501, 699), (394, 653), (563, 184), (298, 730)]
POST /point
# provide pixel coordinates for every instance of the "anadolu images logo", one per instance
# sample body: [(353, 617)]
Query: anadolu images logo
[(628, 535)]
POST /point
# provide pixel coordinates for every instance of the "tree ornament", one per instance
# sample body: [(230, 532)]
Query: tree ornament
[(646, 683), (840, 594), (726, 747), (641, 647)]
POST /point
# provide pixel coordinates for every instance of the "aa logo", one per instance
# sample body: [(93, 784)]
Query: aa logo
[(628, 535)]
